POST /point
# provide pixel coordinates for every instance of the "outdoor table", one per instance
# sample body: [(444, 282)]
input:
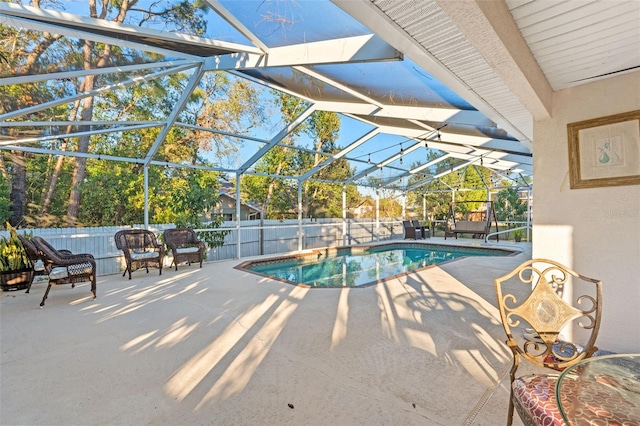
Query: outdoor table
[(601, 390)]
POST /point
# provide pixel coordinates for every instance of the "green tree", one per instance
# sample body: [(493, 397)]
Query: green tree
[(279, 197), (5, 202), (509, 207), (32, 52)]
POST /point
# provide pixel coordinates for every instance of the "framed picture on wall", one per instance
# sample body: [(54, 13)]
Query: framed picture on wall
[(605, 151)]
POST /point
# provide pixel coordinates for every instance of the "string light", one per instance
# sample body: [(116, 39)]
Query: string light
[(369, 160)]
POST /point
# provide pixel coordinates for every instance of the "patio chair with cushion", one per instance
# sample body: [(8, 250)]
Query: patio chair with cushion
[(423, 230), (32, 254), (141, 249), (185, 246), (535, 318), (409, 230), (65, 268)]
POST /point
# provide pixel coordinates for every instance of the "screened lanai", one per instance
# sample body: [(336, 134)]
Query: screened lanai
[(401, 129)]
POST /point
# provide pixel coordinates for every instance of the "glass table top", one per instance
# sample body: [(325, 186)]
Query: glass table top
[(601, 390)]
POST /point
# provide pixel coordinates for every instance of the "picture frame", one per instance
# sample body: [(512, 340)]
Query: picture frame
[(605, 151)]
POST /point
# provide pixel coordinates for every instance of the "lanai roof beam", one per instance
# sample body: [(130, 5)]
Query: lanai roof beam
[(95, 92), (277, 138), (194, 80), (340, 154), (133, 36), (239, 26), (439, 175), (24, 79), (364, 48)]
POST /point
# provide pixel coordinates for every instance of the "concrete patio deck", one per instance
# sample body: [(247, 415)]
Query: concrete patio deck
[(224, 347)]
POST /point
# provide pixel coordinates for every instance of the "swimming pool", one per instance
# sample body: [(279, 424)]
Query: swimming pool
[(360, 266)]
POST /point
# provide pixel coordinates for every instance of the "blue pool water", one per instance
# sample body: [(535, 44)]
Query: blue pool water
[(353, 267)]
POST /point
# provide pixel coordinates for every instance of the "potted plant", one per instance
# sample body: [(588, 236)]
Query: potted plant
[(517, 235), (16, 269)]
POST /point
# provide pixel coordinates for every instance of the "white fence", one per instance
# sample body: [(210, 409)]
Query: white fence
[(256, 238)]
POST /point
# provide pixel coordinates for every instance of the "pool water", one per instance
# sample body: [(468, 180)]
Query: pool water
[(353, 267)]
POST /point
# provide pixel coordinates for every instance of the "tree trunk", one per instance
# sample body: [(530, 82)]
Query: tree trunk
[(18, 195), (80, 169), (267, 201), (47, 196)]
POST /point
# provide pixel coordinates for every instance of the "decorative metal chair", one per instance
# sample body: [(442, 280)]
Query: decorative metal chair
[(65, 268), (185, 245), (141, 249), (536, 322)]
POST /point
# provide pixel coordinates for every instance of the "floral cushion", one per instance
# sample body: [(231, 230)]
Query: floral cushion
[(535, 399), (535, 395)]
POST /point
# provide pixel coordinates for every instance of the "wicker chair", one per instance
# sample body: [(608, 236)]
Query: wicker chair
[(185, 246), (65, 268), (141, 249), (533, 322), (32, 254), (409, 230), (423, 230)]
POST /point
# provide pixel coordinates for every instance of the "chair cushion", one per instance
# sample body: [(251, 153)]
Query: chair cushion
[(183, 250), (58, 273), (80, 269), (145, 255), (61, 272), (38, 266), (535, 394)]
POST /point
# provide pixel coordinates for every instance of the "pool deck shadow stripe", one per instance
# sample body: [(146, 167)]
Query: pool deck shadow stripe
[(216, 345)]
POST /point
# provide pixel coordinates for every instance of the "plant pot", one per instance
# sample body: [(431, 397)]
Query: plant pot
[(518, 239), (16, 280)]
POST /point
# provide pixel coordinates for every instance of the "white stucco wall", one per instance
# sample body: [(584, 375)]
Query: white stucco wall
[(594, 231)]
